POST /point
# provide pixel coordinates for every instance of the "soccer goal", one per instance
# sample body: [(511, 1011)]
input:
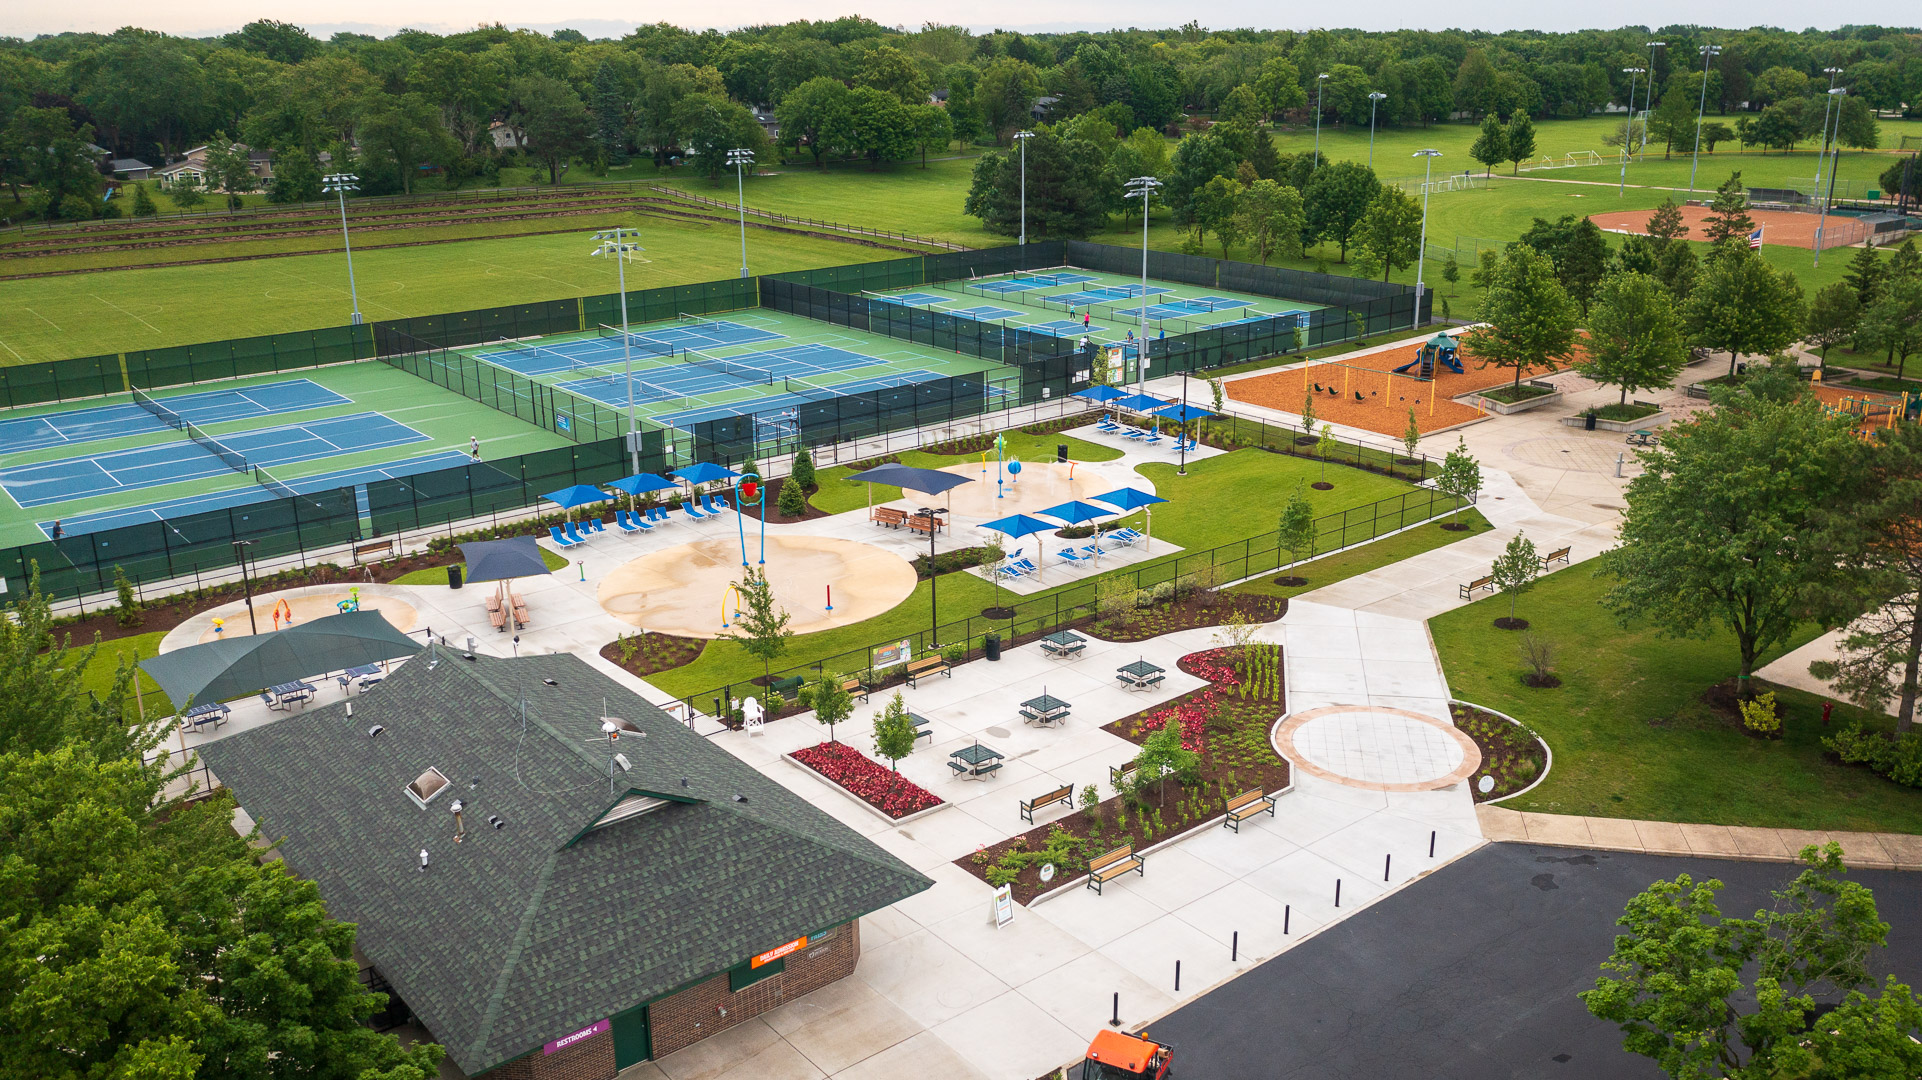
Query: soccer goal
[(1584, 157)]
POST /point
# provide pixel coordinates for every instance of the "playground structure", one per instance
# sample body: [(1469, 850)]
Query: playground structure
[(1440, 349), (1871, 412)]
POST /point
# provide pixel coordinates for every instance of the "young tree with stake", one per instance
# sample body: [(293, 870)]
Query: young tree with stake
[(894, 732), (1296, 528), (1461, 474), (1515, 571), (762, 622), (832, 704)]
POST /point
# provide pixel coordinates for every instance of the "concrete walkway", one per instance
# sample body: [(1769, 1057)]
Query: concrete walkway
[(1881, 851)]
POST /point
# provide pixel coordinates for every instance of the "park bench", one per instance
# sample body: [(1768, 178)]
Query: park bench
[(1558, 555), (1116, 773), (926, 666), (922, 523), (1105, 868), (1468, 590), (1063, 794), (1246, 805), (378, 547), (891, 516), (855, 689)]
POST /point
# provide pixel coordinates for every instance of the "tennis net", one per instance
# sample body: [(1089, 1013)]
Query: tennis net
[(698, 322), (739, 372), (233, 459), (802, 388), (167, 416), (266, 480), (638, 341)]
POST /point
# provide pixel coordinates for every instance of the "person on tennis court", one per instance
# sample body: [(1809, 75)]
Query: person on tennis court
[(56, 532), (1087, 320), (473, 447)]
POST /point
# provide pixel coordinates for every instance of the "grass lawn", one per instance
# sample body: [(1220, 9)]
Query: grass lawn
[(1206, 508), (437, 575), (1372, 556), (1631, 736), (122, 310), (100, 673), (835, 495)]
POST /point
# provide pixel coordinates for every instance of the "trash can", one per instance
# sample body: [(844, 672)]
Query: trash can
[(453, 576), (991, 646), (1588, 421), (1061, 452)]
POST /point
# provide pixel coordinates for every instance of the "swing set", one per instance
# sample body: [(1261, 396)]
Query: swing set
[(1370, 386)]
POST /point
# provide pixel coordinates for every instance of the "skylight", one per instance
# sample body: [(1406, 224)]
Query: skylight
[(426, 786)]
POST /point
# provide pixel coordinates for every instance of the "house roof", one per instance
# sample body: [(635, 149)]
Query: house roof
[(183, 166), (523, 933), (127, 164)]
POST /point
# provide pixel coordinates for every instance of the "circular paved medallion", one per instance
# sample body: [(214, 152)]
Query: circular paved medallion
[(1377, 748)]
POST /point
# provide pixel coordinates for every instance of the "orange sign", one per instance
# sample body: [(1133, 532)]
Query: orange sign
[(778, 951)]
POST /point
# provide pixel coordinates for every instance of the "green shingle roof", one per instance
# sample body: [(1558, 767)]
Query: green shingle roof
[(518, 935)]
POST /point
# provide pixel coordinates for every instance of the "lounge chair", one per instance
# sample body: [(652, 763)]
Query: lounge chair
[(621, 522), (1121, 536), (688, 509), (1153, 438), (1009, 571), (1134, 433), (1070, 555), (555, 531), (719, 502), (594, 524), (572, 534), (1026, 566)]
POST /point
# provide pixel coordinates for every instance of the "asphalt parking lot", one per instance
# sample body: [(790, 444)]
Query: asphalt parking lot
[(1473, 972)]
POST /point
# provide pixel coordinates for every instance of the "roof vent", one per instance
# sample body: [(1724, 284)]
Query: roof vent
[(550, 682), (426, 786), (495, 821), (740, 798), (374, 732), (632, 806)]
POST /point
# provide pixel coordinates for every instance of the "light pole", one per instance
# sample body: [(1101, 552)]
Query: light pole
[(246, 583), (1319, 81), (1827, 103), (1708, 52), (1648, 96), (740, 159), (615, 242), (1628, 130), (1421, 255), (1374, 98), (1837, 93), (340, 184), (1143, 188), (1022, 137)]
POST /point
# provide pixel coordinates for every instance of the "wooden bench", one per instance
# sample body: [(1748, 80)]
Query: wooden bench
[(1246, 805), (891, 516), (1116, 773), (1063, 794), (927, 666), (1105, 868), (498, 618), (1468, 590), (1558, 555), (855, 690), (921, 523), (378, 547)]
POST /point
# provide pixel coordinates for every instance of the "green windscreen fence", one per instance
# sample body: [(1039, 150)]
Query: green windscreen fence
[(425, 500), (830, 419), (92, 376)]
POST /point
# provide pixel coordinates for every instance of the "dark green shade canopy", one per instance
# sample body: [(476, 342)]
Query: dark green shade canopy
[(234, 666)]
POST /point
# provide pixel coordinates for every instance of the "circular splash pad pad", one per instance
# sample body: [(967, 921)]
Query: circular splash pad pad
[(681, 590)]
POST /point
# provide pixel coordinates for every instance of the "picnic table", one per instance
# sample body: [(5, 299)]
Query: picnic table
[(213, 712), (1046, 709), (279, 697), (1140, 675), (1063, 643), (360, 678), (975, 761), (1643, 437)]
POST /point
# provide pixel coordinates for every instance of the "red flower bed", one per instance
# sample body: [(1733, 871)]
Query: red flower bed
[(879, 787), (1192, 712)]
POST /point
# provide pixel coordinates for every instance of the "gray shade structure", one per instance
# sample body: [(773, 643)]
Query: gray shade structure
[(228, 668), (925, 481), (500, 560), (586, 884)]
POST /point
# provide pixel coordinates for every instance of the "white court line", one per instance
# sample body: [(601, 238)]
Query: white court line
[(42, 318), (125, 312), (9, 348)]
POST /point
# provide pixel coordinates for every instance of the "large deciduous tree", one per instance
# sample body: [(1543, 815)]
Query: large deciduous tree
[(553, 118), (1719, 530), (816, 114), (1530, 317), (1272, 218), (1740, 305), (1336, 199), (1491, 146), (1390, 230), (1635, 335)]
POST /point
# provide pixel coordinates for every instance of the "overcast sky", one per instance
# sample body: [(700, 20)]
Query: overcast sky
[(610, 18)]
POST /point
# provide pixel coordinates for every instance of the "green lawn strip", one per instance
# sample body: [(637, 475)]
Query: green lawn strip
[(836, 496), (437, 575), (1630, 735), (99, 675), (1361, 559), (1206, 509)]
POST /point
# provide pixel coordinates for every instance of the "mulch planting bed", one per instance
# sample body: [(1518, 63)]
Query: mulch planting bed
[(1199, 609), (1512, 754), (1226, 723), (871, 782), (773, 505), (645, 654)]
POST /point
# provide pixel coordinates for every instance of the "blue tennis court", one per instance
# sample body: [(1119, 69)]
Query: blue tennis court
[(175, 509), (913, 299), (122, 421), (1106, 294), (608, 352), (653, 384), (1062, 327), (988, 313), (686, 419), (1009, 286), (167, 463), (1054, 277)]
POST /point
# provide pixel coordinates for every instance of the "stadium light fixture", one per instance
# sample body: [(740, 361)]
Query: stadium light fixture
[(1143, 188), (1648, 98), (1022, 137), (1421, 253), (340, 184), (1374, 98), (1628, 127), (617, 242), (1709, 52), (1836, 93), (1827, 103), (741, 159)]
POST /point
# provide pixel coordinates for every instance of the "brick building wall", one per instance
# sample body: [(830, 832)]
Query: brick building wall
[(686, 1018), (589, 1059)]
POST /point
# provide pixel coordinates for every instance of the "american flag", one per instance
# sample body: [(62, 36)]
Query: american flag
[(1755, 240)]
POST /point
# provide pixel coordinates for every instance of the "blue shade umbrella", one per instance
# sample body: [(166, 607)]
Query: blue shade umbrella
[(578, 495), (1183, 413), (1141, 403), (926, 481), (640, 483), (1074, 511), (1127, 499), (1100, 393), (702, 472), (1020, 525)]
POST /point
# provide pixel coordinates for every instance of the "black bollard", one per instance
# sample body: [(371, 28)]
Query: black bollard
[(1234, 948), (1431, 843), (1177, 976), (1116, 1022), (1386, 860), (1337, 892), (1284, 918)]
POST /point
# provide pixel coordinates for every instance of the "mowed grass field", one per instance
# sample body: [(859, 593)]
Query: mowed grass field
[(53, 318)]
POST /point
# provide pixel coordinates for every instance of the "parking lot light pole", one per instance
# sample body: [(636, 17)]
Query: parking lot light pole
[(1708, 52), (1143, 188), (246, 583), (1022, 137), (1320, 80), (1648, 96), (1374, 98), (340, 184), (1628, 131), (1421, 254)]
